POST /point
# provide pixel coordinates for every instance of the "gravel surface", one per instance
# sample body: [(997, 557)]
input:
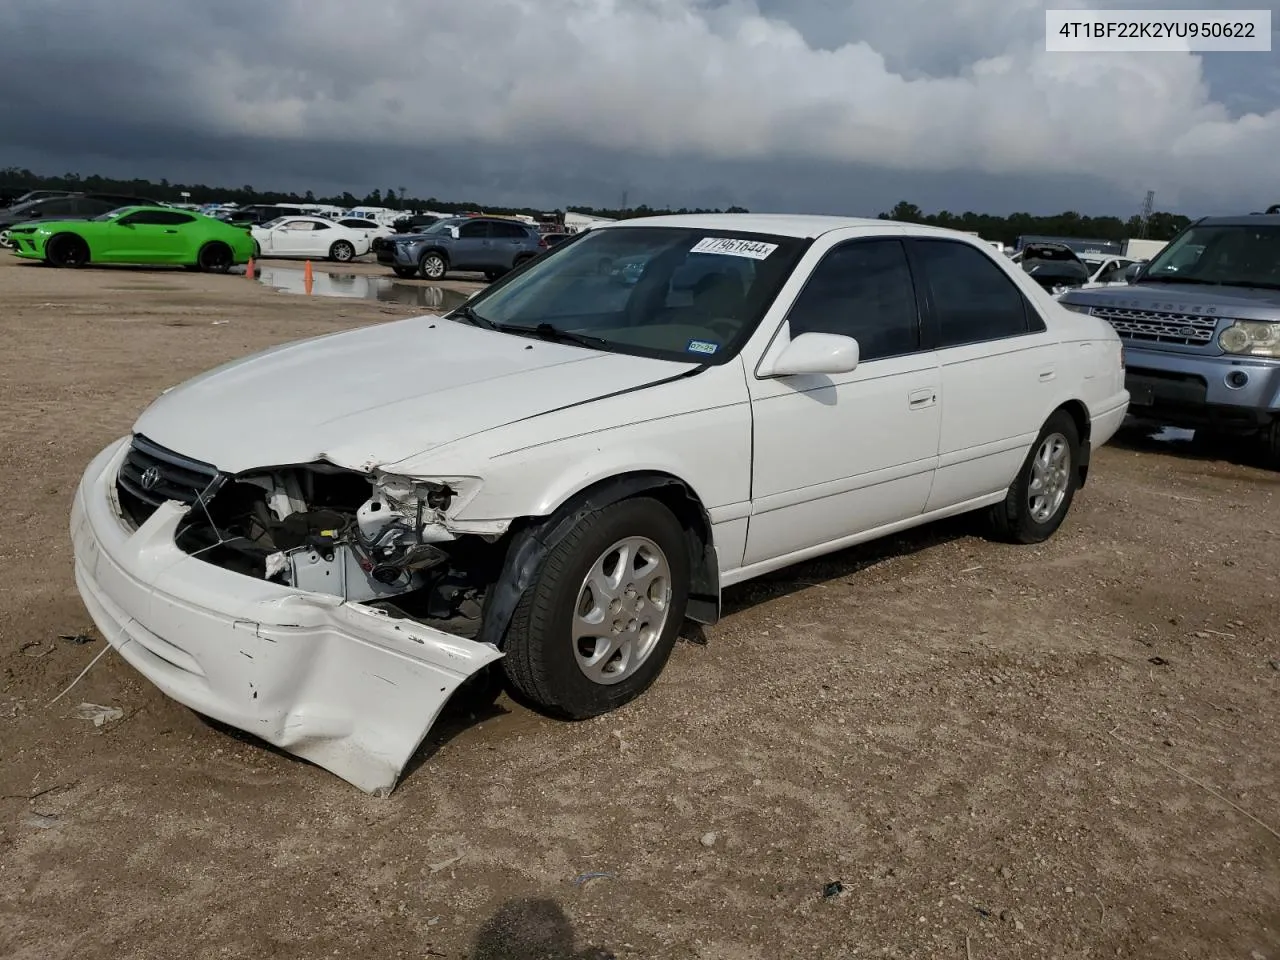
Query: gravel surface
[(932, 746)]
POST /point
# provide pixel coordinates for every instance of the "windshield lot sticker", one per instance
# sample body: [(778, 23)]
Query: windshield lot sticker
[(702, 346), (729, 247)]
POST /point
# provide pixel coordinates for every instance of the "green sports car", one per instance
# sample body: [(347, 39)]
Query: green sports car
[(147, 235)]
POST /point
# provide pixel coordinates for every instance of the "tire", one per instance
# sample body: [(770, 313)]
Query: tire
[(5, 240), (1027, 516), (215, 257), (257, 250), (492, 275), (1271, 444), (405, 273), (433, 266), (67, 250), (544, 660), (342, 251)]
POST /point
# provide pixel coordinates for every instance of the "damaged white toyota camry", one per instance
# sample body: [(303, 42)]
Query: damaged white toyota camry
[(319, 543)]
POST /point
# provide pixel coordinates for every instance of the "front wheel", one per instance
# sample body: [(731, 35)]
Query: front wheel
[(67, 251), (342, 252), (432, 266), (405, 273), (598, 624), (1040, 497), (1271, 444)]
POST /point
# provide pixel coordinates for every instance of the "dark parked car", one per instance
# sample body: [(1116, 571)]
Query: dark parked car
[(488, 245), (554, 239), (259, 213), (15, 198), (415, 223), (71, 206), (1054, 266)]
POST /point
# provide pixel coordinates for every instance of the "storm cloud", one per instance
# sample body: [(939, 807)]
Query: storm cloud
[(795, 104)]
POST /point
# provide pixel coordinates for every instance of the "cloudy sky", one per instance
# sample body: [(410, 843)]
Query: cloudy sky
[(841, 106)]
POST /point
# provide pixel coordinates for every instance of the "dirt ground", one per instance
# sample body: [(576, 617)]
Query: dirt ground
[(1059, 751)]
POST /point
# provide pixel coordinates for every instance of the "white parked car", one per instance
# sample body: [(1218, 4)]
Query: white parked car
[(311, 238), (371, 228), (321, 542)]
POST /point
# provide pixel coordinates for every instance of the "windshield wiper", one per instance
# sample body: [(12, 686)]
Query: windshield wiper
[(547, 331), (465, 312)]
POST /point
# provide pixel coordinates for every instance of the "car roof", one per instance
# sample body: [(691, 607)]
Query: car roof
[(1245, 220), (307, 216), (806, 226)]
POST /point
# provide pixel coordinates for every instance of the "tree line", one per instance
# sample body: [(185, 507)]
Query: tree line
[(1160, 226), (15, 181)]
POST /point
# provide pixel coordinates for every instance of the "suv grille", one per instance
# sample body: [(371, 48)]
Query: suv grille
[(151, 475), (1158, 326)]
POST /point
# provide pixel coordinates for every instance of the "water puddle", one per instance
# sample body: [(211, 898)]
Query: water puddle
[(1172, 435), (360, 286)]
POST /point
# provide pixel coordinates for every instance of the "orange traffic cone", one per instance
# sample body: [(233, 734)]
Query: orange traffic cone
[(306, 277), (248, 269)]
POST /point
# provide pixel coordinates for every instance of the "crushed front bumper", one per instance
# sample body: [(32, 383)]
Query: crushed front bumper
[(343, 685)]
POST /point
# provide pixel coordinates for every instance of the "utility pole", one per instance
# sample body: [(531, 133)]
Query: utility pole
[(1147, 206), (624, 201)]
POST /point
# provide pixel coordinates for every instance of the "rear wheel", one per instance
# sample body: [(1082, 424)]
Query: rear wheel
[(432, 266), (67, 250), (598, 624), (1041, 495), (342, 251), (215, 258)]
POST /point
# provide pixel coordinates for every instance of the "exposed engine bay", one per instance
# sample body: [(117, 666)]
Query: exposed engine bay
[(371, 539)]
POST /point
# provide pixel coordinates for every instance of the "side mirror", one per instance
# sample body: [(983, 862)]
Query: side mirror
[(816, 353), (1133, 272)]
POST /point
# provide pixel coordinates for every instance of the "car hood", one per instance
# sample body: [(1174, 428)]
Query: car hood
[(377, 395), (1180, 298), (30, 226)]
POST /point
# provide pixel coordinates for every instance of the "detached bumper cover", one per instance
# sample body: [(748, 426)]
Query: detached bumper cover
[(340, 684)]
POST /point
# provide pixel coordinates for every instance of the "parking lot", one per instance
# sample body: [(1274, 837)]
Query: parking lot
[(1066, 750)]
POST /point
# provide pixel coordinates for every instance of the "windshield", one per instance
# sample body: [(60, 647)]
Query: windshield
[(1246, 255), (111, 214), (274, 223), (442, 226), (674, 293)]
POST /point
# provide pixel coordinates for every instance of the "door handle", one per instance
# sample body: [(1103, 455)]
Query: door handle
[(922, 398), (1047, 374), (171, 231)]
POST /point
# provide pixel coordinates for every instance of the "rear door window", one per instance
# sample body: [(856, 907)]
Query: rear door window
[(972, 299)]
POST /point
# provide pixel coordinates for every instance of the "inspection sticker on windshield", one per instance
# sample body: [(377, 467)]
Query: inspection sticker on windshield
[(702, 346), (730, 247)]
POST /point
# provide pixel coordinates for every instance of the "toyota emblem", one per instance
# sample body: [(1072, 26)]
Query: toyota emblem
[(150, 477)]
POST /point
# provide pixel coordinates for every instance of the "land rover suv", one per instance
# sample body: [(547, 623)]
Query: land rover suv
[(1201, 327)]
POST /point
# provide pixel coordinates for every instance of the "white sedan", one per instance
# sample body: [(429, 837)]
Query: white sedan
[(372, 228), (321, 542), (310, 238)]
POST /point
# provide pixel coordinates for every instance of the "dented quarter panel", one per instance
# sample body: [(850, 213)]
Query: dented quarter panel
[(344, 686)]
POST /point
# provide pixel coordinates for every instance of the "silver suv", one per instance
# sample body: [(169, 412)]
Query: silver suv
[(488, 245), (1201, 329)]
